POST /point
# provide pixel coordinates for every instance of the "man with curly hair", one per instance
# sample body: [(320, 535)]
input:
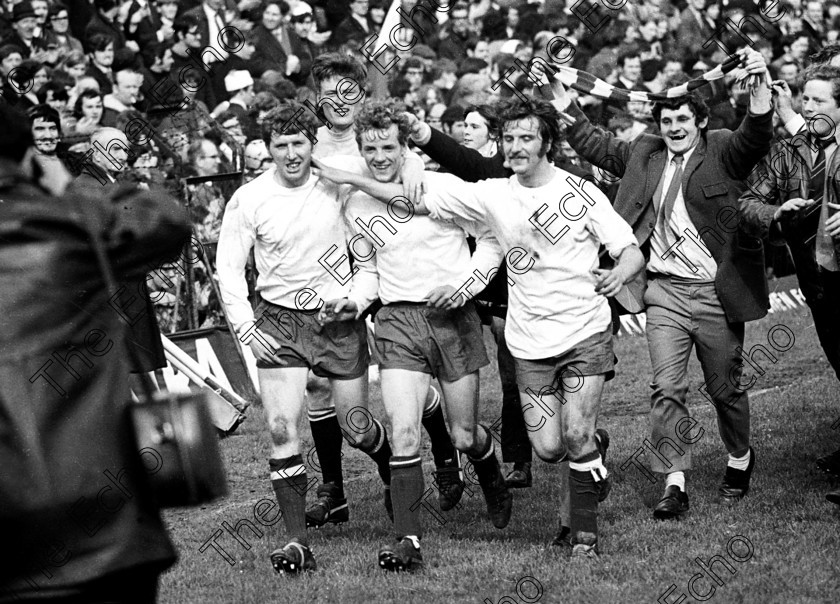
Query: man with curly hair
[(428, 326), (340, 81), (559, 321), (290, 217)]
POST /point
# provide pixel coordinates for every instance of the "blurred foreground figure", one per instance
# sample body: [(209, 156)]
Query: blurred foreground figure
[(74, 498)]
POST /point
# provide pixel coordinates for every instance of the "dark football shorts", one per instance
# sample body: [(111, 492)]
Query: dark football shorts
[(447, 344), (592, 356), (336, 350)]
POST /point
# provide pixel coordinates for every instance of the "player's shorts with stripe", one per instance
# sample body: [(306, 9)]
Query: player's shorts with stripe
[(447, 344), (336, 350), (592, 356)]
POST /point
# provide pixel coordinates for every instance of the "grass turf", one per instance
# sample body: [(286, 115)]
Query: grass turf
[(785, 533)]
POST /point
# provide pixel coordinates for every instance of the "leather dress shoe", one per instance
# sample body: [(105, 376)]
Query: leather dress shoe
[(830, 463), (520, 477), (672, 505), (736, 483)]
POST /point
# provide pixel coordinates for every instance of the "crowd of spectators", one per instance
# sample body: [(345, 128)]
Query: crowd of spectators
[(188, 81)]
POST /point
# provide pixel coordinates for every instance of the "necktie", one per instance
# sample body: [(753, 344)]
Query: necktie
[(824, 244), (671, 194)]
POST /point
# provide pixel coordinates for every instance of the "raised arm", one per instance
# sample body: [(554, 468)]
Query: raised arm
[(597, 146), (754, 137), (459, 160)]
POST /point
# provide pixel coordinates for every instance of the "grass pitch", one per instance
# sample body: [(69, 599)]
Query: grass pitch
[(780, 544)]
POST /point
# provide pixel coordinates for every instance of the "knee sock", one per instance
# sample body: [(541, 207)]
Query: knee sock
[(380, 452), (442, 448), (407, 490), (484, 461), (326, 434), (675, 479), (584, 473), (739, 463), (288, 477)]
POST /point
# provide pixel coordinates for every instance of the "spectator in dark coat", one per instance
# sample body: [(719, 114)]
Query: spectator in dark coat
[(279, 48), (74, 497)]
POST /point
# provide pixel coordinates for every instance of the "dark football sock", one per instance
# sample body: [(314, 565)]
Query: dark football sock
[(442, 448), (288, 477), (326, 434), (484, 460), (407, 490), (380, 452), (583, 501)]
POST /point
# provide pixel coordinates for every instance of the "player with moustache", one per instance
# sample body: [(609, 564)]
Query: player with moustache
[(559, 321), (289, 216), (428, 326)]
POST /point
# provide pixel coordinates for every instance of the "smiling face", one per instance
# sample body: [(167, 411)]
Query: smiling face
[(11, 62), (25, 27), (272, 17), (632, 69), (680, 129), (45, 136), (383, 153), (292, 154), (523, 146), (41, 10), (476, 133), (819, 108), (60, 22), (337, 90)]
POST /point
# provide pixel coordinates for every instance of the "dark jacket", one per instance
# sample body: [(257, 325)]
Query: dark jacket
[(73, 493), (270, 54), (133, 302), (713, 180), (351, 32), (785, 174)]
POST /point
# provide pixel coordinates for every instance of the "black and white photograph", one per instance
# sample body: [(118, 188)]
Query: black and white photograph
[(420, 301)]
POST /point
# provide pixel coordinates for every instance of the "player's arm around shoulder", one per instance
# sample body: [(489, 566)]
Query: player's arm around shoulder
[(449, 198)]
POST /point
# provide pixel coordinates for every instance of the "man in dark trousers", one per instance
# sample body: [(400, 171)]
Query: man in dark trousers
[(102, 175), (74, 497), (704, 280), (794, 195), (471, 166)]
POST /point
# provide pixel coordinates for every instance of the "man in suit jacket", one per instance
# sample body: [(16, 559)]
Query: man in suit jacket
[(795, 195), (704, 279), (355, 28), (212, 16), (695, 28), (275, 45), (101, 174)]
